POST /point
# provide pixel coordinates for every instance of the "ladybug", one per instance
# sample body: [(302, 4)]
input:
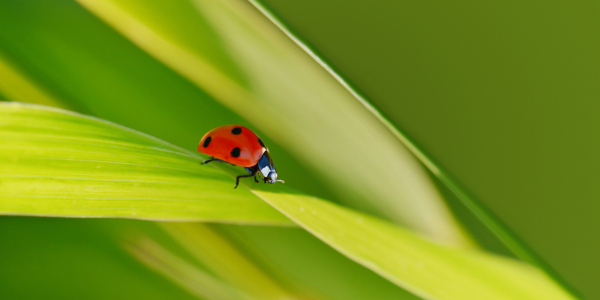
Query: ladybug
[(239, 146)]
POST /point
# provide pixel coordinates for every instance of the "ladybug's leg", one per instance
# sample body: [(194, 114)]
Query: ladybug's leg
[(260, 175), (237, 179), (208, 160), (212, 159), (251, 173)]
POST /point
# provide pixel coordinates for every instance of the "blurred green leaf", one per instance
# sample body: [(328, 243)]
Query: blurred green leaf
[(304, 263), (56, 163), (17, 86), (478, 208), (193, 279), (226, 261), (57, 258)]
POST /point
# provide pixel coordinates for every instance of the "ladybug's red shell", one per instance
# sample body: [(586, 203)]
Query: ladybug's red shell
[(234, 144)]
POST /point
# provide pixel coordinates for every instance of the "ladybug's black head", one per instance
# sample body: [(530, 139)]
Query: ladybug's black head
[(272, 178)]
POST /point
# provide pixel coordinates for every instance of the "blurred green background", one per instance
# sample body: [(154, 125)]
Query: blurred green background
[(504, 94)]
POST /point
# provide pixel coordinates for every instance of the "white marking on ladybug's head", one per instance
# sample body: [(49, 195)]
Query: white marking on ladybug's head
[(264, 150), (265, 171)]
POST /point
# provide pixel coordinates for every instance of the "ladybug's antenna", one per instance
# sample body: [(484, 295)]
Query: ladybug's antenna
[(279, 180)]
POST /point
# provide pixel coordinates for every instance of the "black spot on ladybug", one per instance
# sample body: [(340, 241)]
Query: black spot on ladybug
[(207, 141), (236, 130), (235, 152), (261, 143)]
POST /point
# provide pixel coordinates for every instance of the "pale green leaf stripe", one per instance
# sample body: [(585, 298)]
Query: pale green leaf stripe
[(56, 163), (420, 266), (17, 86), (191, 278)]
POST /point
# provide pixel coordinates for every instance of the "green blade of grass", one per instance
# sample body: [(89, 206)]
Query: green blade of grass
[(427, 269), (412, 262), (487, 217), (226, 261), (56, 163)]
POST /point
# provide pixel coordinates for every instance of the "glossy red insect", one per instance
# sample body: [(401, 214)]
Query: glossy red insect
[(239, 146)]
